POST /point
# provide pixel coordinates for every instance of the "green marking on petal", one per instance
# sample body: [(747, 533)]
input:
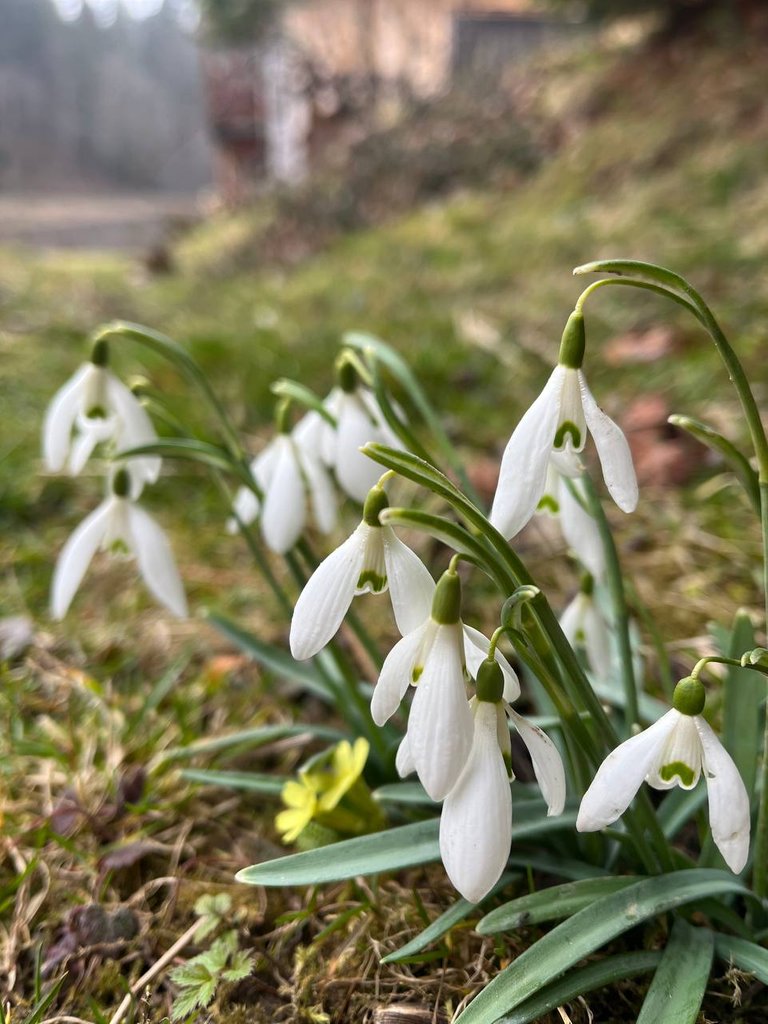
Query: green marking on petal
[(119, 547), (548, 504), (97, 412), (417, 670), (679, 770), (563, 431), (370, 579)]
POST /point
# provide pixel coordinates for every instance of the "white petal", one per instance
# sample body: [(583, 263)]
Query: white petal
[(597, 640), (581, 532), (327, 433), (384, 433), (411, 586), (524, 465), (398, 669), (547, 763), (355, 472), (156, 562), (476, 821), (76, 556), (90, 432), (264, 465), (440, 723), (246, 506), (728, 800), (60, 417), (284, 511), (373, 578), (135, 428), (403, 761), (681, 751), (322, 493), (308, 433), (613, 451), (621, 774), (476, 648), (572, 620), (326, 598)]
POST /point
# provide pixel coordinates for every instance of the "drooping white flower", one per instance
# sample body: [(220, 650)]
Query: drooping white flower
[(358, 421), (476, 820), (585, 626), (290, 476), (95, 407), (373, 559), (558, 421), (579, 527), (119, 523), (674, 751)]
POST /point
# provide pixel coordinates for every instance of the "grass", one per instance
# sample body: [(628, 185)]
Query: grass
[(661, 157)]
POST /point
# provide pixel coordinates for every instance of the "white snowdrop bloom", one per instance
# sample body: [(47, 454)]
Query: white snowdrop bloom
[(476, 820), (585, 626), (358, 421), (579, 527), (290, 476), (95, 407), (673, 752), (120, 525), (373, 559), (558, 421)]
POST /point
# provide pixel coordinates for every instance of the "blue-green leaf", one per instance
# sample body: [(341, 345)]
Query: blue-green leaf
[(678, 985), (270, 785), (550, 904), (251, 738), (747, 956)]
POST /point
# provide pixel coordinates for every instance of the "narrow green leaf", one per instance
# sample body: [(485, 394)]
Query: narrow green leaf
[(588, 930), (270, 785), (746, 475), (403, 793), (286, 388), (557, 865), (458, 912), (193, 451), (550, 904), (577, 983), (650, 708), (678, 807), (252, 738), (678, 985), (743, 703), (273, 658), (397, 848), (747, 956)]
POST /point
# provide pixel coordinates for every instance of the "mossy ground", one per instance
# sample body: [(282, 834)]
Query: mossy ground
[(660, 156)]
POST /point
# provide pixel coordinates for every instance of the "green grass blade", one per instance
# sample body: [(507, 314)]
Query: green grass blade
[(397, 848), (251, 738), (551, 904), (411, 793), (269, 785), (273, 658), (747, 956), (678, 985), (588, 930), (577, 983), (442, 924)]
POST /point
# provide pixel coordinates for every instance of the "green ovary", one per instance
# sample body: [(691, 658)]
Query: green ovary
[(678, 770)]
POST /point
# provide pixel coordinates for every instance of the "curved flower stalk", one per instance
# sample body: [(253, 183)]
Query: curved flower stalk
[(558, 421), (476, 820), (673, 752), (372, 560), (95, 407), (358, 421), (119, 524), (579, 528), (290, 476), (585, 626)]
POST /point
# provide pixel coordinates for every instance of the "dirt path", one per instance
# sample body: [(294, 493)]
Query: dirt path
[(123, 221)]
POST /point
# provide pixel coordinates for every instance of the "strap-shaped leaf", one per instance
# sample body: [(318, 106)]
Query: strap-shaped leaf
[(747, 956), (743, 700), (736, 460), (412, 793), (678, 985), (588, 930), (269, 785), (577, 983), (458, 912), (551, 904), (191, 450), (287, 388), (397, 848), (679, 806), (256, 737)]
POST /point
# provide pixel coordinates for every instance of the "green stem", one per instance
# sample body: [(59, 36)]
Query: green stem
[(615, 583)]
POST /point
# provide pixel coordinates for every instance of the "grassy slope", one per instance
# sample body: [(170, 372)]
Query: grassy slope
[(663, 159)]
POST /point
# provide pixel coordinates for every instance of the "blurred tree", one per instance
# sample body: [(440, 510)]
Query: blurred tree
[(238, 22), (677, 15)]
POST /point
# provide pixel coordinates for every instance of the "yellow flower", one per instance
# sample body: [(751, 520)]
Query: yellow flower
[(346, 767), (300, 799)]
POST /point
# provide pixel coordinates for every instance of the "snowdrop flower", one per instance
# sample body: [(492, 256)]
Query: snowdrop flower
[(358, 421), (585, 626), (119, 524), (558, 422), (290, 476), (476, 820), (673, 752), (373, 559), (579, 527), (94, 407)]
